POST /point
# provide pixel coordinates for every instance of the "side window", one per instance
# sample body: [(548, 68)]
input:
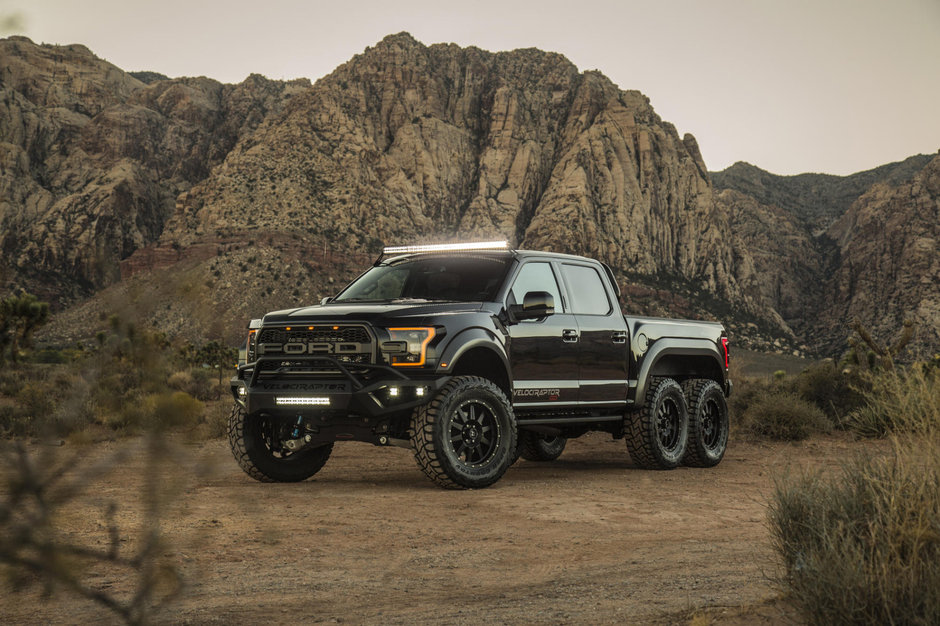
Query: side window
[(535, 277), (588, 296)]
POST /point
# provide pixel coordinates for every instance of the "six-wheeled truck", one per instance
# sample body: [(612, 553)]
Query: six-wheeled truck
[(472, 355)]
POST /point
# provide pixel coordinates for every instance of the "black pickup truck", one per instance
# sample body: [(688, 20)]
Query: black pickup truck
[(473, 355)]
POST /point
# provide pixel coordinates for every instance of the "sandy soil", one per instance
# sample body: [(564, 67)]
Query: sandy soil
[(586, 539)]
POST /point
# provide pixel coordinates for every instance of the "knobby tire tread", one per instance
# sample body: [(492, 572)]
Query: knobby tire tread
[(422, 429)]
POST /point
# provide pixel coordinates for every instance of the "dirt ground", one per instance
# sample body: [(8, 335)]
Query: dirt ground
[(586, 539)]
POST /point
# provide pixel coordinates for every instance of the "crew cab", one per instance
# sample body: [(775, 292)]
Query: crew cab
[(473, 355)]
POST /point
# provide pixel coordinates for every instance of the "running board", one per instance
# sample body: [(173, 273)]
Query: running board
[(551, 421)]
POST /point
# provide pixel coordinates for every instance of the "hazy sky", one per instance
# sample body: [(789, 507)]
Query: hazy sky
[(792, 86)]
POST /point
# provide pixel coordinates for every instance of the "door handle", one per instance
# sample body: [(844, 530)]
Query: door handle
[(570, 335), (619, 336)]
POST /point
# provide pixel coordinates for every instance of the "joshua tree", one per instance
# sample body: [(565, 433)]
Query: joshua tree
[(20, 316), (880, 355)]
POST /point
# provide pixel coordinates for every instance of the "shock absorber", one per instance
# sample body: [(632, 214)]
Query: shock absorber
[(295, 434)]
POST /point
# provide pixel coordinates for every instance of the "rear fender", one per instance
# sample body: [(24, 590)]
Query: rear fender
[(679, 357)]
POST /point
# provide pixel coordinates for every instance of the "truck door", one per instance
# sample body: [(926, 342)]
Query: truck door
[(603, 335), (543, 353)]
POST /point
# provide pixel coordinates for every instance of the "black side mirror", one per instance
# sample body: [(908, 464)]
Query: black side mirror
[(535, 305)]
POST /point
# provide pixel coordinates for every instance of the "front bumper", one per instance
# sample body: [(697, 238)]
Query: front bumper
[(354, 391)]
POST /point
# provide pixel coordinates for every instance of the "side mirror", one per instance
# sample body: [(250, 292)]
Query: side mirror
[(535, 305), (325, 300)]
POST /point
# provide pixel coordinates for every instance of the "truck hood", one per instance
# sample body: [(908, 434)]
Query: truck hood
[(368, 312)]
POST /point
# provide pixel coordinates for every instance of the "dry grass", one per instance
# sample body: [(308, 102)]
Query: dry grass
[(864, 547)]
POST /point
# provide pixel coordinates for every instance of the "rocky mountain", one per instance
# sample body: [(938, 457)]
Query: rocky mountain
[(92, 159), (830, 249), (816, 199), (197, 205)]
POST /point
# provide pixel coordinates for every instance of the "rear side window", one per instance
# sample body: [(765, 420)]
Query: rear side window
[(588, 296)]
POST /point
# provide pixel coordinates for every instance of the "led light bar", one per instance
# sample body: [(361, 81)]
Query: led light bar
[(448, 247), (302, 401)]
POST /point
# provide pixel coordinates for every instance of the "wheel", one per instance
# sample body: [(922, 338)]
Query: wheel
[(465, 438), (708, 423), (535, 446), (256, 444), (657, 434)]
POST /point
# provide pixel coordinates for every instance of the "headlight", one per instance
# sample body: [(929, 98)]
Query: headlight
[(411, 346)]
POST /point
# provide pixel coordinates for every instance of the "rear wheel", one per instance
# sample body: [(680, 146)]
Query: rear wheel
[(466, 436), (258, 445), (708, 423), (657, 434), (535, 446)]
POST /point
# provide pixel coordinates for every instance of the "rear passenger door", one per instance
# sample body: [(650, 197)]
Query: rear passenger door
[(603, 335)]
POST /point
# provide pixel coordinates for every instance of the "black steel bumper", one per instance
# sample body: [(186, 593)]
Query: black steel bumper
[(352, 391)]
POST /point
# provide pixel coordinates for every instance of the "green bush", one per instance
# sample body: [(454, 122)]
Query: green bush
[(832, 390), (864, 548), (784, 416), (899, 401)]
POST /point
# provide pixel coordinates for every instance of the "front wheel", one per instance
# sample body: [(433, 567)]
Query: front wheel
[(465, 438), (708, 423), (257, 443), (535, 446), (657, 434)]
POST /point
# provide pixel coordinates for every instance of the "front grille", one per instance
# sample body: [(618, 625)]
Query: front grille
[(350, 345), (324, 334)]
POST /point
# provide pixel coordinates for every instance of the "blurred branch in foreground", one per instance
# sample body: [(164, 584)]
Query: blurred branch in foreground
[(40, 491)]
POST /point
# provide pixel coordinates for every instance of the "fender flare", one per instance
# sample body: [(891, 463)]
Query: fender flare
[(467, 340), (678, 347)]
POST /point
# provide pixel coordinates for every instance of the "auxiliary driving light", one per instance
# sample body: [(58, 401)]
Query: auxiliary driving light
[(419, 391), (241, 391), (393, 392), (302, 401)]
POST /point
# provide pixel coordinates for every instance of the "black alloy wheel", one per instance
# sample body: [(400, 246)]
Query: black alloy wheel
[(708, 423), (257, 444), (657, 434), (465, 438), (474, 433)]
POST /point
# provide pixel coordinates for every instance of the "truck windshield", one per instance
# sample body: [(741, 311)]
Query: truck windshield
[(467, 278)]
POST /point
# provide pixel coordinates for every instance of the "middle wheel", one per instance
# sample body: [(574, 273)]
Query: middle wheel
[(535, 446), (466, 436)]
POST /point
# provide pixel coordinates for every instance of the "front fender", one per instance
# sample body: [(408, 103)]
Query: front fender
[(467, 340)]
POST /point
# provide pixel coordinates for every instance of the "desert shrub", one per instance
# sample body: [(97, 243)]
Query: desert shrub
[(864, 547), (899, 401), (783, 415), (170, 410), (14, 422), (832, 390), (198, 382), (180, 381)]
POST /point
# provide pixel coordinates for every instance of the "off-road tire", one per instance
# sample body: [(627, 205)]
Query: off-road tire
[(252, 451), (449, 434), (708, 423), (534, 446), (657, 434)]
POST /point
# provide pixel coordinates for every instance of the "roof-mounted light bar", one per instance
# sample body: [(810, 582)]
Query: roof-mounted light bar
[(447, 247)]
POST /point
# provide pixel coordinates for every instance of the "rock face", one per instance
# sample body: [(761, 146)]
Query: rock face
[(889, 270), (825, 250), (411, 142), (414, 143), (217, 202), (92, 159)]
